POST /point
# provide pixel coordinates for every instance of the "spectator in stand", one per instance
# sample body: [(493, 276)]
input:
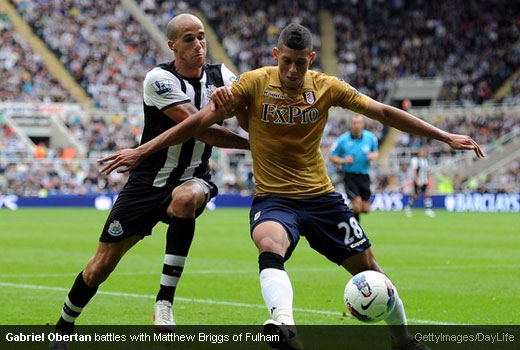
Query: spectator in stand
[(23, 76)]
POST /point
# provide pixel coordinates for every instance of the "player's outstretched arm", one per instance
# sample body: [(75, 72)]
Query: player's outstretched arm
[(219, 136), (190, 127), (406, 122)]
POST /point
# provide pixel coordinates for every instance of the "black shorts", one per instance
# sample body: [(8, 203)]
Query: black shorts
[(357, 185), (326, 222), (418, 189), (139, 207)]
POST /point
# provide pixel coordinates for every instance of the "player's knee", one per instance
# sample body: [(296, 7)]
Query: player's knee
[(183, 204), (268, 244)]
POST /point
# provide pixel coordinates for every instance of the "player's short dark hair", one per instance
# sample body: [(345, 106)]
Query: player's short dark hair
[(296, 37)]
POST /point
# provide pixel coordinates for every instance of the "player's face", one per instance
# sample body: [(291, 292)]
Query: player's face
[(190, 45), (292, 65)]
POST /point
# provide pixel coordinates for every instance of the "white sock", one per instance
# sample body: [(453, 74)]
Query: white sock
[(397, 322), (278, 294)]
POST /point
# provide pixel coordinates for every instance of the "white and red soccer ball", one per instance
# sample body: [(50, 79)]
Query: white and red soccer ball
[(370, 296)]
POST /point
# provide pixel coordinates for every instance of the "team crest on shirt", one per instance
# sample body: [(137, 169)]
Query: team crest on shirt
[(115, 228), (309, 97), (163, 87)]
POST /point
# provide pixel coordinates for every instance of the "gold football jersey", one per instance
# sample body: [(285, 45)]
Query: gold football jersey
[(286, 126)]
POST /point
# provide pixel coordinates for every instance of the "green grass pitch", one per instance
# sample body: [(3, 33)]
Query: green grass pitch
[(457, 268)]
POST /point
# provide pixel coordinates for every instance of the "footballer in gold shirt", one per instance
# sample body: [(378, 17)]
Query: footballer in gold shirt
[(286, 126)]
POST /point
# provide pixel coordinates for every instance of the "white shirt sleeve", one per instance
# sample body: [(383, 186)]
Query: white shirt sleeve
[(162, 89), (227, 76)]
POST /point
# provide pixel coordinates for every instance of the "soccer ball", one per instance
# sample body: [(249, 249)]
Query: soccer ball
[(370, 296)]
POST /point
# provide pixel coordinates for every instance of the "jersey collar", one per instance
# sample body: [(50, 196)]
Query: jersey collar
[(274, 80), (189, 78)]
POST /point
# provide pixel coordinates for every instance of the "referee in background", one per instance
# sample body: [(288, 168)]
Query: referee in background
[(353, 151)]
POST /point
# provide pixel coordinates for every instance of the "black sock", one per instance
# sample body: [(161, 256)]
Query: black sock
[(269, 260), (178, 241), (78, 297)]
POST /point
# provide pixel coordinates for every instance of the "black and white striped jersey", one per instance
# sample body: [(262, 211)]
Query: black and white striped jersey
[(420, 165), (163, 88)]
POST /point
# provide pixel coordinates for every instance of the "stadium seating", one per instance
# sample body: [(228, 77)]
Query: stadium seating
[(100, 43), (23, 76), (250, 32), (108, 52), (463, 42)]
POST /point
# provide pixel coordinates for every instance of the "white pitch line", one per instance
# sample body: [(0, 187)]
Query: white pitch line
[(254, 271), (191, 272), (206, 301)]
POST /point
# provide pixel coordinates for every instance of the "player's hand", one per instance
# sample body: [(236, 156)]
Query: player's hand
[(223, 98), (348, 160), (129, 158), (464, 142)]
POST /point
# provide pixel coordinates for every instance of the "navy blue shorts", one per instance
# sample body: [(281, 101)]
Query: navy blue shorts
[(325, 221)]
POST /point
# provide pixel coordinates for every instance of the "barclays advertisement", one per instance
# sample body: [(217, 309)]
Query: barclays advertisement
[(459, 202)]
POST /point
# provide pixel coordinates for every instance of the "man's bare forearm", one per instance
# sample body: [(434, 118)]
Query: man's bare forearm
[(406, 122), (178, 134), (219, 136)]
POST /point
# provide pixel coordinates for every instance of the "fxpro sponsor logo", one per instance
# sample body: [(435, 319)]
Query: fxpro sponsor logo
[(290, 115), (483, 202), (9, 201)]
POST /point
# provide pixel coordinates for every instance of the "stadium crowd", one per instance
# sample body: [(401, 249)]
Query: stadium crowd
[(463, 42), (55, 173), (108, 53), (23, 75), (100, 43), (53, 176), (248, 33), (162, 11), (101, 136), (485, 129), (11, 146)]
